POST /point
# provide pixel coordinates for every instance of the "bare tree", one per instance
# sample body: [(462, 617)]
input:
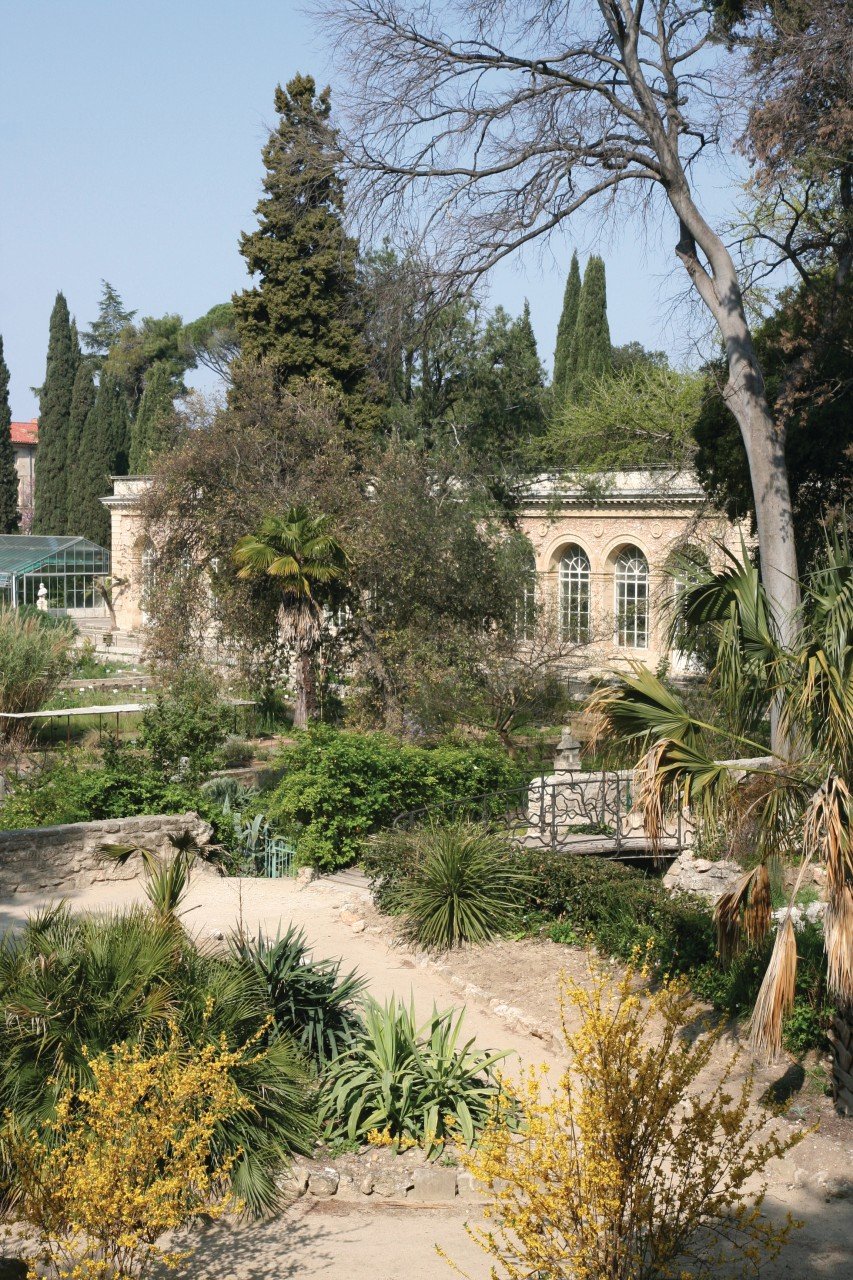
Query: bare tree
[(496, 121)]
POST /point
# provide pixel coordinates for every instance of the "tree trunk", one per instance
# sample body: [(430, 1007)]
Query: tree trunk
[(841, 1037), (305, 684)]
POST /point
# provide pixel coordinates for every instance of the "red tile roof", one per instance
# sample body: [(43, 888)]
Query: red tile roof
[(25, 432)]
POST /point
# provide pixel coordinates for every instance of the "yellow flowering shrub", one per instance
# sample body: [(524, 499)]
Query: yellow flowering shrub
[(625, 1170), (125, 1159)]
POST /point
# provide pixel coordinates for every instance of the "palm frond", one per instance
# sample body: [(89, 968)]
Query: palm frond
[(744, 911), (776, 994)]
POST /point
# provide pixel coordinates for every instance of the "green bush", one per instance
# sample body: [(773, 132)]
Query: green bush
[(465, 886), (340, 787), (74, 786), (413, 1084), (185, 727), (35, 655), (621, 910), (81, 984)]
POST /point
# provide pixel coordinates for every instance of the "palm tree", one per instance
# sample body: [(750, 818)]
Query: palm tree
[(307, 567), (799, 805)]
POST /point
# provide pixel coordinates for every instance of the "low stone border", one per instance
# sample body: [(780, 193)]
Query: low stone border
[(426, 1186)]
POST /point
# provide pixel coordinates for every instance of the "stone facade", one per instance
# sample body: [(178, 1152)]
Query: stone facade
[(24, 445), (651, 514), (656, 513), (53, 861)]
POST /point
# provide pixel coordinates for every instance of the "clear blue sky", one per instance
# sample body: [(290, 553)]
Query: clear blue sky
[(130, 137)]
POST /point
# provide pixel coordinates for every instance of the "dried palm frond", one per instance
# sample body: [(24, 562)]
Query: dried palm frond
[(838, 940), (776, 996), (744, 909), (826, 831), (649, 782)]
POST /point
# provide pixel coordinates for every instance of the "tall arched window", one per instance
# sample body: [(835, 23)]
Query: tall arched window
[(574, 595), (632, 599), (525, 604)]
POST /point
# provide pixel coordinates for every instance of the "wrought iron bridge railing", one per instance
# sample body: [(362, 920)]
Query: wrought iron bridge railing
[(577, 812)]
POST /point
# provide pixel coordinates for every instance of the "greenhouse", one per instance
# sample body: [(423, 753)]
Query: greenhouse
[(51, 573)]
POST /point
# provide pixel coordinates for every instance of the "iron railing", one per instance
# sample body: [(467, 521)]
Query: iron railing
[(585, 813)]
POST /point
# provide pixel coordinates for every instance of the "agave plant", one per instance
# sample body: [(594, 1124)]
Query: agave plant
[(464, 886), (310, 999), (414, 1084), (798, 803)]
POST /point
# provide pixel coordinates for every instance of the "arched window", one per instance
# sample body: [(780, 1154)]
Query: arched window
[(687, 567), (632, 599), (525, 603), (574, 595)]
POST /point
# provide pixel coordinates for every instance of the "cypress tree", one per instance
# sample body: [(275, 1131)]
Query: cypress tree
[(8, 470), (302, 315), (566, 329), (504, 400), (591, 353), (51, 476), (103, 453), (152, 429), (82, 400)]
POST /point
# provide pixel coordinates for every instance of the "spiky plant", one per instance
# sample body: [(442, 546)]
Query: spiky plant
[(798, 804), (465, 886), (306, 566)]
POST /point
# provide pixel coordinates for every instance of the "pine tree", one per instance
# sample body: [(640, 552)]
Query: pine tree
[(82, 400), (51, 476), (591, 353), (113, 317), (103, 454), (566, 329), (152, 428), (302, 316), (504, 402), (8, 470)]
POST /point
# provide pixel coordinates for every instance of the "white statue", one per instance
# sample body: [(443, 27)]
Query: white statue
[(41, 603)]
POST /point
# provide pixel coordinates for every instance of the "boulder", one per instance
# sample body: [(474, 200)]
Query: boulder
[(701, 876)]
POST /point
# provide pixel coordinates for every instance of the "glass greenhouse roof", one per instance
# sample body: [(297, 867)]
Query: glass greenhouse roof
[(22, 553)]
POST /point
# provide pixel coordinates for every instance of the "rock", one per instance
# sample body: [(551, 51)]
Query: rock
[(324, 1183), (391, 1183), (348, 914), (217, 934), (835, 1188), (358, 926), (699, 875), (432, 1184), (366, 1185), (468, 1189), (305, 875), (295, 1181), (348, 1189)]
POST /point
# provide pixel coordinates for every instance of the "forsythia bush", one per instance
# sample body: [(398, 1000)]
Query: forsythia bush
[(125, 1160), (623, 1172)]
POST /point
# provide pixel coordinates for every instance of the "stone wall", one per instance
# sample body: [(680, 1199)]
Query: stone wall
[(56, 860)]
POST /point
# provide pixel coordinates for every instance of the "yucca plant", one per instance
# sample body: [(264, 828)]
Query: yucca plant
[(411, 1084), (799, 804), (464, 886), (310, 999)]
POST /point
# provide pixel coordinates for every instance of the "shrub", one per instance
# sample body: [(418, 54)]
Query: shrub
[(340, 787), (410, 1085), (126, 1158), (624, 1170), (309, 998), (186, 725), (82, 984), (464, 886), (35, 655)]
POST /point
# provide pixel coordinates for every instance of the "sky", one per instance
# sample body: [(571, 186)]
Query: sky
[(130, 140)]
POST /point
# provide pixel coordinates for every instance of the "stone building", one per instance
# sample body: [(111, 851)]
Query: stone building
[(605, 559), (25, 437)]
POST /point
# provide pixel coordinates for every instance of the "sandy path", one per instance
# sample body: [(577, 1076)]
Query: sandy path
[(375, 1242)]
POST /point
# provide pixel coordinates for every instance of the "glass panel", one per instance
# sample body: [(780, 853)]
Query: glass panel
[(632, 599), (574, 595)]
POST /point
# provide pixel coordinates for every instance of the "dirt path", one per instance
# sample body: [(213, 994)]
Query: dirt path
[(321, 1238)]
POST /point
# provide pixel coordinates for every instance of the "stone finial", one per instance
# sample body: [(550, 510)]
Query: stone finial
[(568, 754)]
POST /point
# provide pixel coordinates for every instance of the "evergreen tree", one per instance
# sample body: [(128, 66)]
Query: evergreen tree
[(566, 329), (104, 453), (51, 476), (82, 400), (504, 402), (153, 427), (302, 315), (591, 353), (113, 317), (8, 470)]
